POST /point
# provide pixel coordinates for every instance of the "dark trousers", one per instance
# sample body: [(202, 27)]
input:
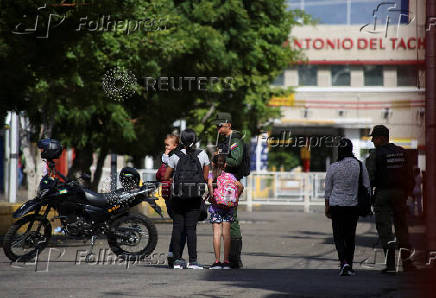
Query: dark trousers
[(185, 218), (391, 204), (183, 238), (344, 223)]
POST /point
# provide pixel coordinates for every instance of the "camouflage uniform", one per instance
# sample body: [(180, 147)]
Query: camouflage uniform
[(387, 169), (234, 147), (389, 173)]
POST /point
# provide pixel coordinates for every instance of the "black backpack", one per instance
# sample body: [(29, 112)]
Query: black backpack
[(188, 177)]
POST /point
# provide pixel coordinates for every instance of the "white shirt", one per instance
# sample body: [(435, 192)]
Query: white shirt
[(202, 157), (342, 182)]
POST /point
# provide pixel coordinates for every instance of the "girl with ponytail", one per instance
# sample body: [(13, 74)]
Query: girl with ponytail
[(191, 169)]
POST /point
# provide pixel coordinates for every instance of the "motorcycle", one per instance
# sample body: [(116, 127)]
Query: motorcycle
[(83, 214)]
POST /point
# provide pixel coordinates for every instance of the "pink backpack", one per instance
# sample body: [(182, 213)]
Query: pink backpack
[(226, 193)]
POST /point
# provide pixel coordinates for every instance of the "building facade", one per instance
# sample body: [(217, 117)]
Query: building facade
[(357, 75)]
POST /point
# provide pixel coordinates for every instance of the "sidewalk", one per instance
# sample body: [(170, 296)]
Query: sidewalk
[(285, 252)]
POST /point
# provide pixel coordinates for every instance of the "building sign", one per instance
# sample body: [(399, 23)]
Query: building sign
[(348, 43), (288, 101)]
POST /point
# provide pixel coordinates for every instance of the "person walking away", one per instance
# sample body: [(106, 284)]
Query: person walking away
[(191, 169), (341, 190), (223, 198), (389, 174), (171, 143), (238, 164)]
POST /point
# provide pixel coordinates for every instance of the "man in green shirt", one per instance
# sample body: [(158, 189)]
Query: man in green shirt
[(231, 144)]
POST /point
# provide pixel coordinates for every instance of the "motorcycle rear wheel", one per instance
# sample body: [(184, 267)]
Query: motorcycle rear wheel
[(133, 236), (31, 241)]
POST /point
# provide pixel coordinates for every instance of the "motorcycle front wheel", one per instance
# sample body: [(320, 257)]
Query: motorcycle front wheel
[(26, 238), (133, 236)]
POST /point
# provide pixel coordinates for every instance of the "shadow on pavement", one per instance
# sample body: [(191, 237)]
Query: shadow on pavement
[(313, 282)]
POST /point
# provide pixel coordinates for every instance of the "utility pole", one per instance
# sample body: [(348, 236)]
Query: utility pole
[(13, 159), (430, 123)]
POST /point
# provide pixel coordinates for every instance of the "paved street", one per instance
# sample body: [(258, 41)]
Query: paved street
[(285, 252)]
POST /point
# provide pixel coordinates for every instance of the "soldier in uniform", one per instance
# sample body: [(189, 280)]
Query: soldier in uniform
[(390, 176), (231, 144)]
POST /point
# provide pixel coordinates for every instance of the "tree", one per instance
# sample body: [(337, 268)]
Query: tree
[(57, 81), (285, 158)]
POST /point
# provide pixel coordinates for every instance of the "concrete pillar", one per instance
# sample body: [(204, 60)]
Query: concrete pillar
[(390, 76), (430, 127), (324, 76), (291, 77), (356, 76), (148, 162), (7, 153)]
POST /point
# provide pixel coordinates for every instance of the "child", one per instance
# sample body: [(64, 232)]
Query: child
[(223, 199), (171, 144)]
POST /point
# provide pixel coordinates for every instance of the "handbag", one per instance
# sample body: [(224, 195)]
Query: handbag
[(363, 196), (203, 211)]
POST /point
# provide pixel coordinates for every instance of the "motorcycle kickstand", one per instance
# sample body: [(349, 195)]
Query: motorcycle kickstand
[(90, 256)]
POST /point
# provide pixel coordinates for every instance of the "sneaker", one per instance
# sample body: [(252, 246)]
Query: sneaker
[(345, 270), (179, 264), (216, 265), (170, 260), (194, 265), (351, 271), (226, 265)]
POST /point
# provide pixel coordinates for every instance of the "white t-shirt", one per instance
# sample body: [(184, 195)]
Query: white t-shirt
[(202, 157)]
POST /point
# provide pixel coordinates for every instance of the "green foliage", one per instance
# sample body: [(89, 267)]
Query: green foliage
[(58, 80), (283, 157)]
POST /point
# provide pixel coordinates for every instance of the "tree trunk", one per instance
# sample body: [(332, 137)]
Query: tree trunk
[(99, 169), (33, 160), (81, 163)]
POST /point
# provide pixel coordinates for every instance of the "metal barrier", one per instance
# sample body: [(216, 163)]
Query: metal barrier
[(284, 188), (263, 188)]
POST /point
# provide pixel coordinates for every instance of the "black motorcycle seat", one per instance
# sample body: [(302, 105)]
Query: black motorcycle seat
[(96, 199)]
